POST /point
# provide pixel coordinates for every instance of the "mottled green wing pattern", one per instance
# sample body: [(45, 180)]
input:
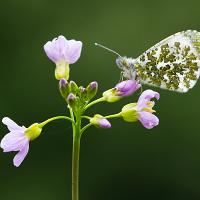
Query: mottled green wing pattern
[(173, 63)]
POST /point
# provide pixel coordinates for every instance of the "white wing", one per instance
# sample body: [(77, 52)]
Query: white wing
[(173, 63)]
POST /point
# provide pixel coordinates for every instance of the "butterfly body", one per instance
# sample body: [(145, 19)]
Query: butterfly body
[(173, 63)]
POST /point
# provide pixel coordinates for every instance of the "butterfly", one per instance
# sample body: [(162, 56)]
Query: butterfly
[(173, 63)]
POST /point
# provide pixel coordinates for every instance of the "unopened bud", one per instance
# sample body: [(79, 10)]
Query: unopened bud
[(83, 93), (92, 89), (100, 122), (71, 100), (73, 87), (64, 87), (123, 89)]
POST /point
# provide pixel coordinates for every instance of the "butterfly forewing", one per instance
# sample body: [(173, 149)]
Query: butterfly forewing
[(173, 63)]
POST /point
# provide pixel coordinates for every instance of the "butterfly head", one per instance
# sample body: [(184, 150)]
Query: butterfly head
[(124, 63), (127, 67)]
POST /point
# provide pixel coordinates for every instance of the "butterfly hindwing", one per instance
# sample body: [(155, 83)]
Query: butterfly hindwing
[(173, 63)]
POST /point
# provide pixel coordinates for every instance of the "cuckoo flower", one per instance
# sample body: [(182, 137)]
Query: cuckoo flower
[(63, 52), (18, 139), (142, 110), (100, 122), (122, 89)]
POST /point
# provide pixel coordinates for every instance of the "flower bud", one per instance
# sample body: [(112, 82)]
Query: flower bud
[(92, 89), (73, 87), (64, 87), (71, 100), (123, 89), (129, 112), (83, 93), (100, 122), (111, 95), (33, 131)]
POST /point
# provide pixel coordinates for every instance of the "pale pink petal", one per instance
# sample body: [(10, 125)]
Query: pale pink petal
[(127, 88), (61, 49), (104, 123), (145, 97), (73, 52), (148, 120), (13, 141), (11, 124), (51, 51), (19, 157)]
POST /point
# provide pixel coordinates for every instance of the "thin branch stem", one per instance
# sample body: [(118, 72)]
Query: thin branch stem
[(55, 118), (85, 127), (113, 116), (86, 117), (95, 102)]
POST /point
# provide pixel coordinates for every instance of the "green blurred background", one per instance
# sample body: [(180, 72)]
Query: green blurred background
[(125, 162)]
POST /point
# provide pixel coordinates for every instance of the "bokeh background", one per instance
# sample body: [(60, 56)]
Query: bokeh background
[(125, 162)]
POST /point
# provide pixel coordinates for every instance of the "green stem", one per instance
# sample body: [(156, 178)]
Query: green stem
[(86, 117), (113, 116), (75, 159), (55, 118), (72, 116), (85, 127), (95, 102)]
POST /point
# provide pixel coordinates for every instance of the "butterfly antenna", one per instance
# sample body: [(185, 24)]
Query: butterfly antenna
[(100, 45)]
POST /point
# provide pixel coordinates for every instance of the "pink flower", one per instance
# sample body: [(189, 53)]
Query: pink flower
[(142, 110), (61, 49), (15, 140), (63, 52), (18, 139)]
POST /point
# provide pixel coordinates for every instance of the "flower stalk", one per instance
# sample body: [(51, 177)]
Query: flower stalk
[(75, 159), (63, 53)]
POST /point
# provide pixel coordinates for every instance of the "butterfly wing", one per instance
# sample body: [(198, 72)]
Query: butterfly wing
[(173, 63)]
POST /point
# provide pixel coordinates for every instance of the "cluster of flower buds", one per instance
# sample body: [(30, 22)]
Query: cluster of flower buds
[(75, 96)]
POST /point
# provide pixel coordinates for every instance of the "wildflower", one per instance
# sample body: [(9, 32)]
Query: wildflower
[(142, 110), (123, 89), (18, 139), (100, 122), (63, 52)]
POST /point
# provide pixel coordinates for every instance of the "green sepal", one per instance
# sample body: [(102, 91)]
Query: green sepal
[(62, 70), (111, 95), (129, 112), (33, 131), (73, 87)]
